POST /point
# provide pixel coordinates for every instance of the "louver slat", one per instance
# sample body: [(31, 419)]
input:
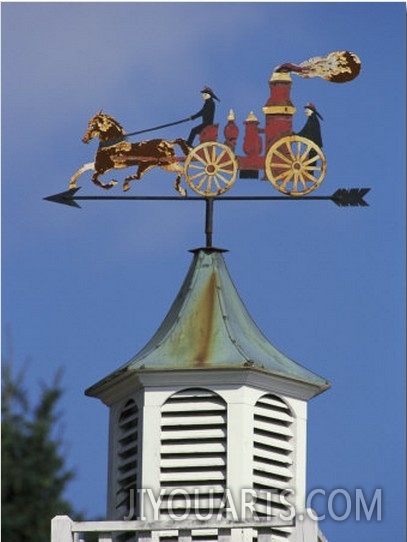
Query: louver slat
[(190, 406), (274, 402), (271, 481), (273, 442), (196, 420), (273, 427), (193, 448), (128, 471), (266, 500), (186, 462), (261, 455), (274, 469), (195, 433), (192, 476), (203, 488), (129, 448)]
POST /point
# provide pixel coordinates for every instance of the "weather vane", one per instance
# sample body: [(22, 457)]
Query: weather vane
[(294, 163)]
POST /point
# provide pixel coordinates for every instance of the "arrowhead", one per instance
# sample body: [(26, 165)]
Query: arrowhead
[(67, 198), (352, 197)]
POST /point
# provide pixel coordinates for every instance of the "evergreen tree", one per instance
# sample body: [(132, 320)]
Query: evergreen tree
[(34, 475)]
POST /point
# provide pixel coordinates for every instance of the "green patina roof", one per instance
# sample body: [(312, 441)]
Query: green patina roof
[(209, 327)]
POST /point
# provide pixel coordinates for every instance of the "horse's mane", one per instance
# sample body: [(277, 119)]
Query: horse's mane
[(108, 122)]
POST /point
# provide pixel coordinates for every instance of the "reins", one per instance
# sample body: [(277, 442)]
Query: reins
[(157, 127)]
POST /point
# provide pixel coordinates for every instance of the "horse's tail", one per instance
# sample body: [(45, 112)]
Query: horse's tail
[(183, 144)]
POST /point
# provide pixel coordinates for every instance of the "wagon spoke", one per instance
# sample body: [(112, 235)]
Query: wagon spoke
[(224, 164), (208, 159), (215, 180), (197, 175), (290, 150), (280, 165), (223, 179), (311, 160), (305, 153), (286, 177), (199, 185), (197, 167), (299, 152), (208, 186), (200, 159), (216, 158), (284, 157), (299, 179), (284, 183), (221, 156), (309, 176), (228, 170)]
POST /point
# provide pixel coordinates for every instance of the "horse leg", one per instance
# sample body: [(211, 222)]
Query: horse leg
[(82, 169), (183, 145), (178, 187), (106, 186), (175, 166), (143, 168)]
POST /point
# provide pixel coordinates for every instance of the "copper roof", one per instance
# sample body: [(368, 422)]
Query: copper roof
[(209, 327)]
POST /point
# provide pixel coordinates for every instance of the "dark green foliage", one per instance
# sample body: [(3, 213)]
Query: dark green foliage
[(34, 476)]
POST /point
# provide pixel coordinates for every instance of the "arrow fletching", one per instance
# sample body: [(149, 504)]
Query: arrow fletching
[(350, 197)]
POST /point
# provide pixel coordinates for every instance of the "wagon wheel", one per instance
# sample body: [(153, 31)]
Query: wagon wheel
[(295, 165), (210, 169)]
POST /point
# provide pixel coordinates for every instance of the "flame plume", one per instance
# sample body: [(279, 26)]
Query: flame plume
[(337, 67)]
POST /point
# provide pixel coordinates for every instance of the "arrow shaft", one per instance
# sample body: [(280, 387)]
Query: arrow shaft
[(199, 198), (342, 197)]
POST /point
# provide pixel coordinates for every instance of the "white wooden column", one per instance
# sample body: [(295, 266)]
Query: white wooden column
[(151, 446), (300, 452), (111, 463), (61, 529), (240, 457)]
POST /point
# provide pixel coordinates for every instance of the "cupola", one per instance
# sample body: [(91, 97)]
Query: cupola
[(209, 416)]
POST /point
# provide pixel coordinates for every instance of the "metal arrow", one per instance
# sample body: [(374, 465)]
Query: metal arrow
[(343, 197)]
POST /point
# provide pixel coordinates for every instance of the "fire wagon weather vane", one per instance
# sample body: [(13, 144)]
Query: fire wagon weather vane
[(293, 162)]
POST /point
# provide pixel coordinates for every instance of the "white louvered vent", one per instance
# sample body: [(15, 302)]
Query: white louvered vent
[(127, 460), (272, 459), (193, 453)]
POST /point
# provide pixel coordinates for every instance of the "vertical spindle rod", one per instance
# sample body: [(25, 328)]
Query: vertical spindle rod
[(209, 222)]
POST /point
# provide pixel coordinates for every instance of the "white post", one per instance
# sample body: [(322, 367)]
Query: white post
[(240, 460), (184, 535), (150, 476), (306, 528), (61, 529), (300, 453), (224, 535)]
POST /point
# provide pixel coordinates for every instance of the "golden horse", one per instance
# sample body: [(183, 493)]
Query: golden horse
[(115, 152)]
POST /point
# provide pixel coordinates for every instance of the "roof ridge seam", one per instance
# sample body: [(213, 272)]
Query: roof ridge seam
[(233, 339)]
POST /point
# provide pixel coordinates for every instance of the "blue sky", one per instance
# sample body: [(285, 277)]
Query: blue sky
[(84, 290)]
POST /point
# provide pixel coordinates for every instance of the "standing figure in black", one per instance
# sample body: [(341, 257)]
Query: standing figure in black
[(312, 128), (207, 113)]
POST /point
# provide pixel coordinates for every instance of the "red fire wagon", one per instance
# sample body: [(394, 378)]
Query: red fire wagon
[(293, 164)]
